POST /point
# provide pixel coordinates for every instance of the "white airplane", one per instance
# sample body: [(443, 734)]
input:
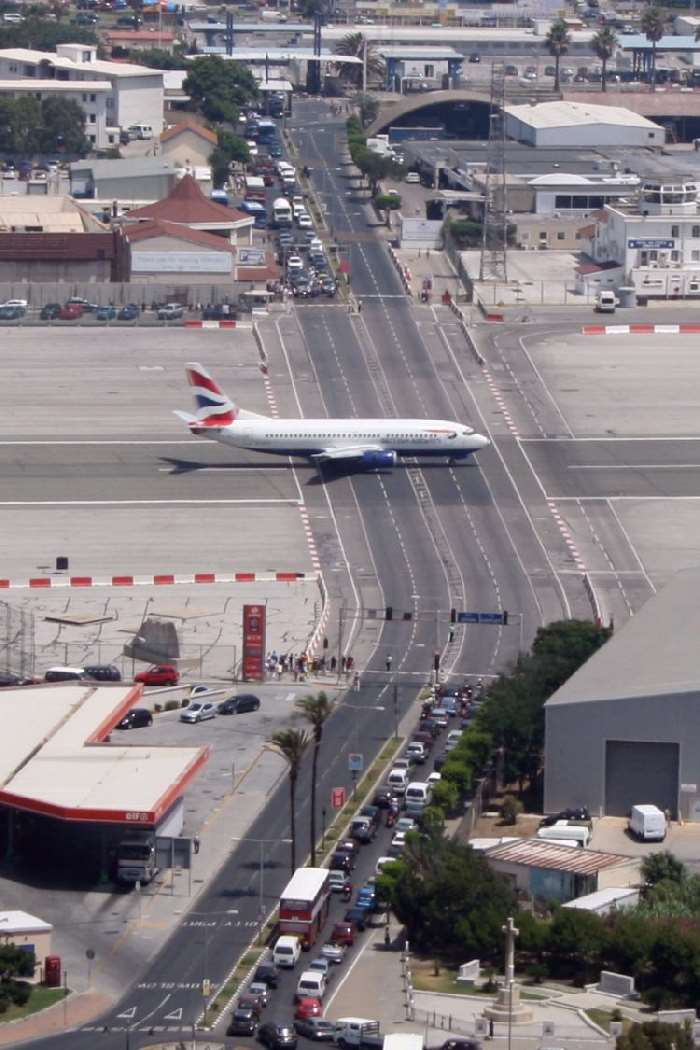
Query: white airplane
[(368, 442)]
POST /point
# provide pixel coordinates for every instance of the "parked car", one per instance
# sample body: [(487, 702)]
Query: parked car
[(308, 1007), (277, 1036), (64, 674), (70, 312), (170, 312), (129, 312), (412, 176), (239, 705), (137, 718), (50, 312), (159, 674), (12, 313), (105, 313), (199, 711), (316, 1028), (268, 974), (578, 813), (79, 300), (104, 672), (243, 1022)]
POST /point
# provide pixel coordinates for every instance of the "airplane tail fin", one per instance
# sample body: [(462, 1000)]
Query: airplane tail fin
[(214, 409)]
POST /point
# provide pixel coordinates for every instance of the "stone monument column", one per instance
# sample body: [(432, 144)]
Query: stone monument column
[(507, 1007)]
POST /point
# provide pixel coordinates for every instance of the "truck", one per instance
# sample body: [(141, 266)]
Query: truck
[(304, 904), (606, 301), (357, 1031), (136, 858)]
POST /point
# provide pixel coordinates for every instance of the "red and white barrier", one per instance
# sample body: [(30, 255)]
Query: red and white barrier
[(158, 580), (640, 329)]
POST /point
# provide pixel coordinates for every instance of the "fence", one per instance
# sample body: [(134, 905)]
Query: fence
[(17, 646), (455, 257), (116, 293)]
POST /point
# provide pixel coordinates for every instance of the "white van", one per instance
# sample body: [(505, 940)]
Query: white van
[(606, 302), (647, 823), (286, 951), (311, 984), (418, 795), (563, 829), (140, 131), (397, 781)]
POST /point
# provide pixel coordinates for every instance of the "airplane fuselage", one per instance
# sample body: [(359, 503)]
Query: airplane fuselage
[(322, 437)]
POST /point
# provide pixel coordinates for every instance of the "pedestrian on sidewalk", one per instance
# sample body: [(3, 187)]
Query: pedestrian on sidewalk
[(389, 662), (195, 844), (334, 664)]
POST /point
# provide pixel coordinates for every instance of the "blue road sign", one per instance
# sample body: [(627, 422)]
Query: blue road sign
[(467, 617), (479, 617)]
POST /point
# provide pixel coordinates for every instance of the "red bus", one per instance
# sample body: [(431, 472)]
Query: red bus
[(304, 904)]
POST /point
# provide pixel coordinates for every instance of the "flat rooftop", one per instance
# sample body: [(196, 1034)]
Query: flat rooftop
[(576, 114), (56, 759), (538, 853)]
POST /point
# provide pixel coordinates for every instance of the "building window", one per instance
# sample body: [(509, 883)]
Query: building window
[(13, 68), (92, 139), (561, 235), (695, 231), (695, 256), (675, 231), (429, 71), (84, 97), (544, 235), (675, 256), (29, 71), (91, 118), (93, 97)]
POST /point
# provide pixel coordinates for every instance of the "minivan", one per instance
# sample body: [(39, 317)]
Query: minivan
[(286, 951), (65, 674), (140, 131), (397, 781), (647, 823), (311, 983), (606, 302), (418, 796)]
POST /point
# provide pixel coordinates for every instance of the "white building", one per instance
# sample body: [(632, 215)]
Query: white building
[(655, 242), (559, 124), (135, 95), (91, 96), (567, 192)]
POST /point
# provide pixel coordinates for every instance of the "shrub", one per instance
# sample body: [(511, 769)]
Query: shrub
[(537, 973), (20, 992), (510, 809), (172, 705)]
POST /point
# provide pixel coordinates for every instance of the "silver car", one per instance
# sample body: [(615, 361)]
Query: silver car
[(198, 712)]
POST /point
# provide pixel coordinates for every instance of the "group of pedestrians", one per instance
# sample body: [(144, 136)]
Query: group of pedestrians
[(299, 665)]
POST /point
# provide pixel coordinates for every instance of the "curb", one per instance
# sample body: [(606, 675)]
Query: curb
[(640, 329), (403, 272), (161, 580)]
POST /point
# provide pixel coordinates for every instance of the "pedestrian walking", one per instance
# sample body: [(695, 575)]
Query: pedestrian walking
[(195, 844), (350, 662), (334, 664), (389, 662), (356, 681)]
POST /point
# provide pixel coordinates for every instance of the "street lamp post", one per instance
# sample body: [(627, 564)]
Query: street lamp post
[(261, 868)]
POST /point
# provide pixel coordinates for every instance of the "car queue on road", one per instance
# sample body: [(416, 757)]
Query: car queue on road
[(299, 983)]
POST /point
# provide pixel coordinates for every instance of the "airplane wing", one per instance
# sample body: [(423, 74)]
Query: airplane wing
[(371, 455)]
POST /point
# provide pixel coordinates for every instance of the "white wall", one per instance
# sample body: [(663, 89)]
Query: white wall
[(139, 100), (584, 135)]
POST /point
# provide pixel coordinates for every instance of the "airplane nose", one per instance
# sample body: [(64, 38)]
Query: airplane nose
[(481, 441)]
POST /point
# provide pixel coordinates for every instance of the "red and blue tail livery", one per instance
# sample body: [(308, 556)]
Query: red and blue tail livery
[(214, 409)]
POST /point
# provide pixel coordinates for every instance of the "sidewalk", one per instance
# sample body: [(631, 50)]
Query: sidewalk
[(71, 1013)]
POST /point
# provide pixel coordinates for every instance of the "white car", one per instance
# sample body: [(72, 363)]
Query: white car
[(412, 176), (335, 953), (434, 777), (304, 221), (398, 842), (294, 264), (198, 712), (16, 302), (405, 824)]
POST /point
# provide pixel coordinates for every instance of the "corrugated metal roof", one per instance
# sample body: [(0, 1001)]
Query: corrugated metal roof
[(537, 853), (567, 114), (641, 660)]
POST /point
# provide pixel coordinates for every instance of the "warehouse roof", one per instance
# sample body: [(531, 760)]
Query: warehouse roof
[(575, 114), (654, 654), (419, 51), (538, 853), (56, 759)]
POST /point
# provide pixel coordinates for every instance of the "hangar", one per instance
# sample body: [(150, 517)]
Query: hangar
[(625, 728)]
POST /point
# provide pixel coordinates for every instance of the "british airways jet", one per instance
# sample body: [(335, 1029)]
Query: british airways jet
[(367, 443)]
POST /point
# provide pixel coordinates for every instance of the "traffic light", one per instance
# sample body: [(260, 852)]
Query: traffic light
[(436, 662), (505, 617), (389, 612), (453, 616)]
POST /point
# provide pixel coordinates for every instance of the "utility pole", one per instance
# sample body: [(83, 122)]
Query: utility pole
[(364, 66)]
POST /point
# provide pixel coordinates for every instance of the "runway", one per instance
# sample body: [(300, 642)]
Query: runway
[(616, 469)]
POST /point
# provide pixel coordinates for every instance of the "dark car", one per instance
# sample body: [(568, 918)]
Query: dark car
[(243, 1022), (461, 1044), (475, 57), (248, 1001), (129, 312), (383, 797), (358, 916), (317, 1028), (267, 974), (348, 846), (423, 737), (440, 761), (218, 312), (105, 313), (50, 312), (342, 862), (8, 678), (579, 813), (12, 313), (104, 672), (277, 1036), (275, 151), (239, 705), (373, 812), (137, 718), (429, 725)]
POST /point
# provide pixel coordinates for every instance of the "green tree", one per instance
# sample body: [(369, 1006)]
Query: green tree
[(576, 941), (652, 25), (604, 45), (25, 125), (368, 106), (316, 710), (157, 58), (219, 88), (448, 898), (661, 867), (353, 45), (44, 36), (375, 167), (230, 148), (62, 127), (291, 744), (557, 43), (654, 1035)]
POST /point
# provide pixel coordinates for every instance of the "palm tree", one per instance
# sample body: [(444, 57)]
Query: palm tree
[(652, 25), (353, 45), (316, 709), (557, 42), (604, 45), (291, 744)]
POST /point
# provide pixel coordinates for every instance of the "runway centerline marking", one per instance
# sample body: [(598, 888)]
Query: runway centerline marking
[(133, 502)]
